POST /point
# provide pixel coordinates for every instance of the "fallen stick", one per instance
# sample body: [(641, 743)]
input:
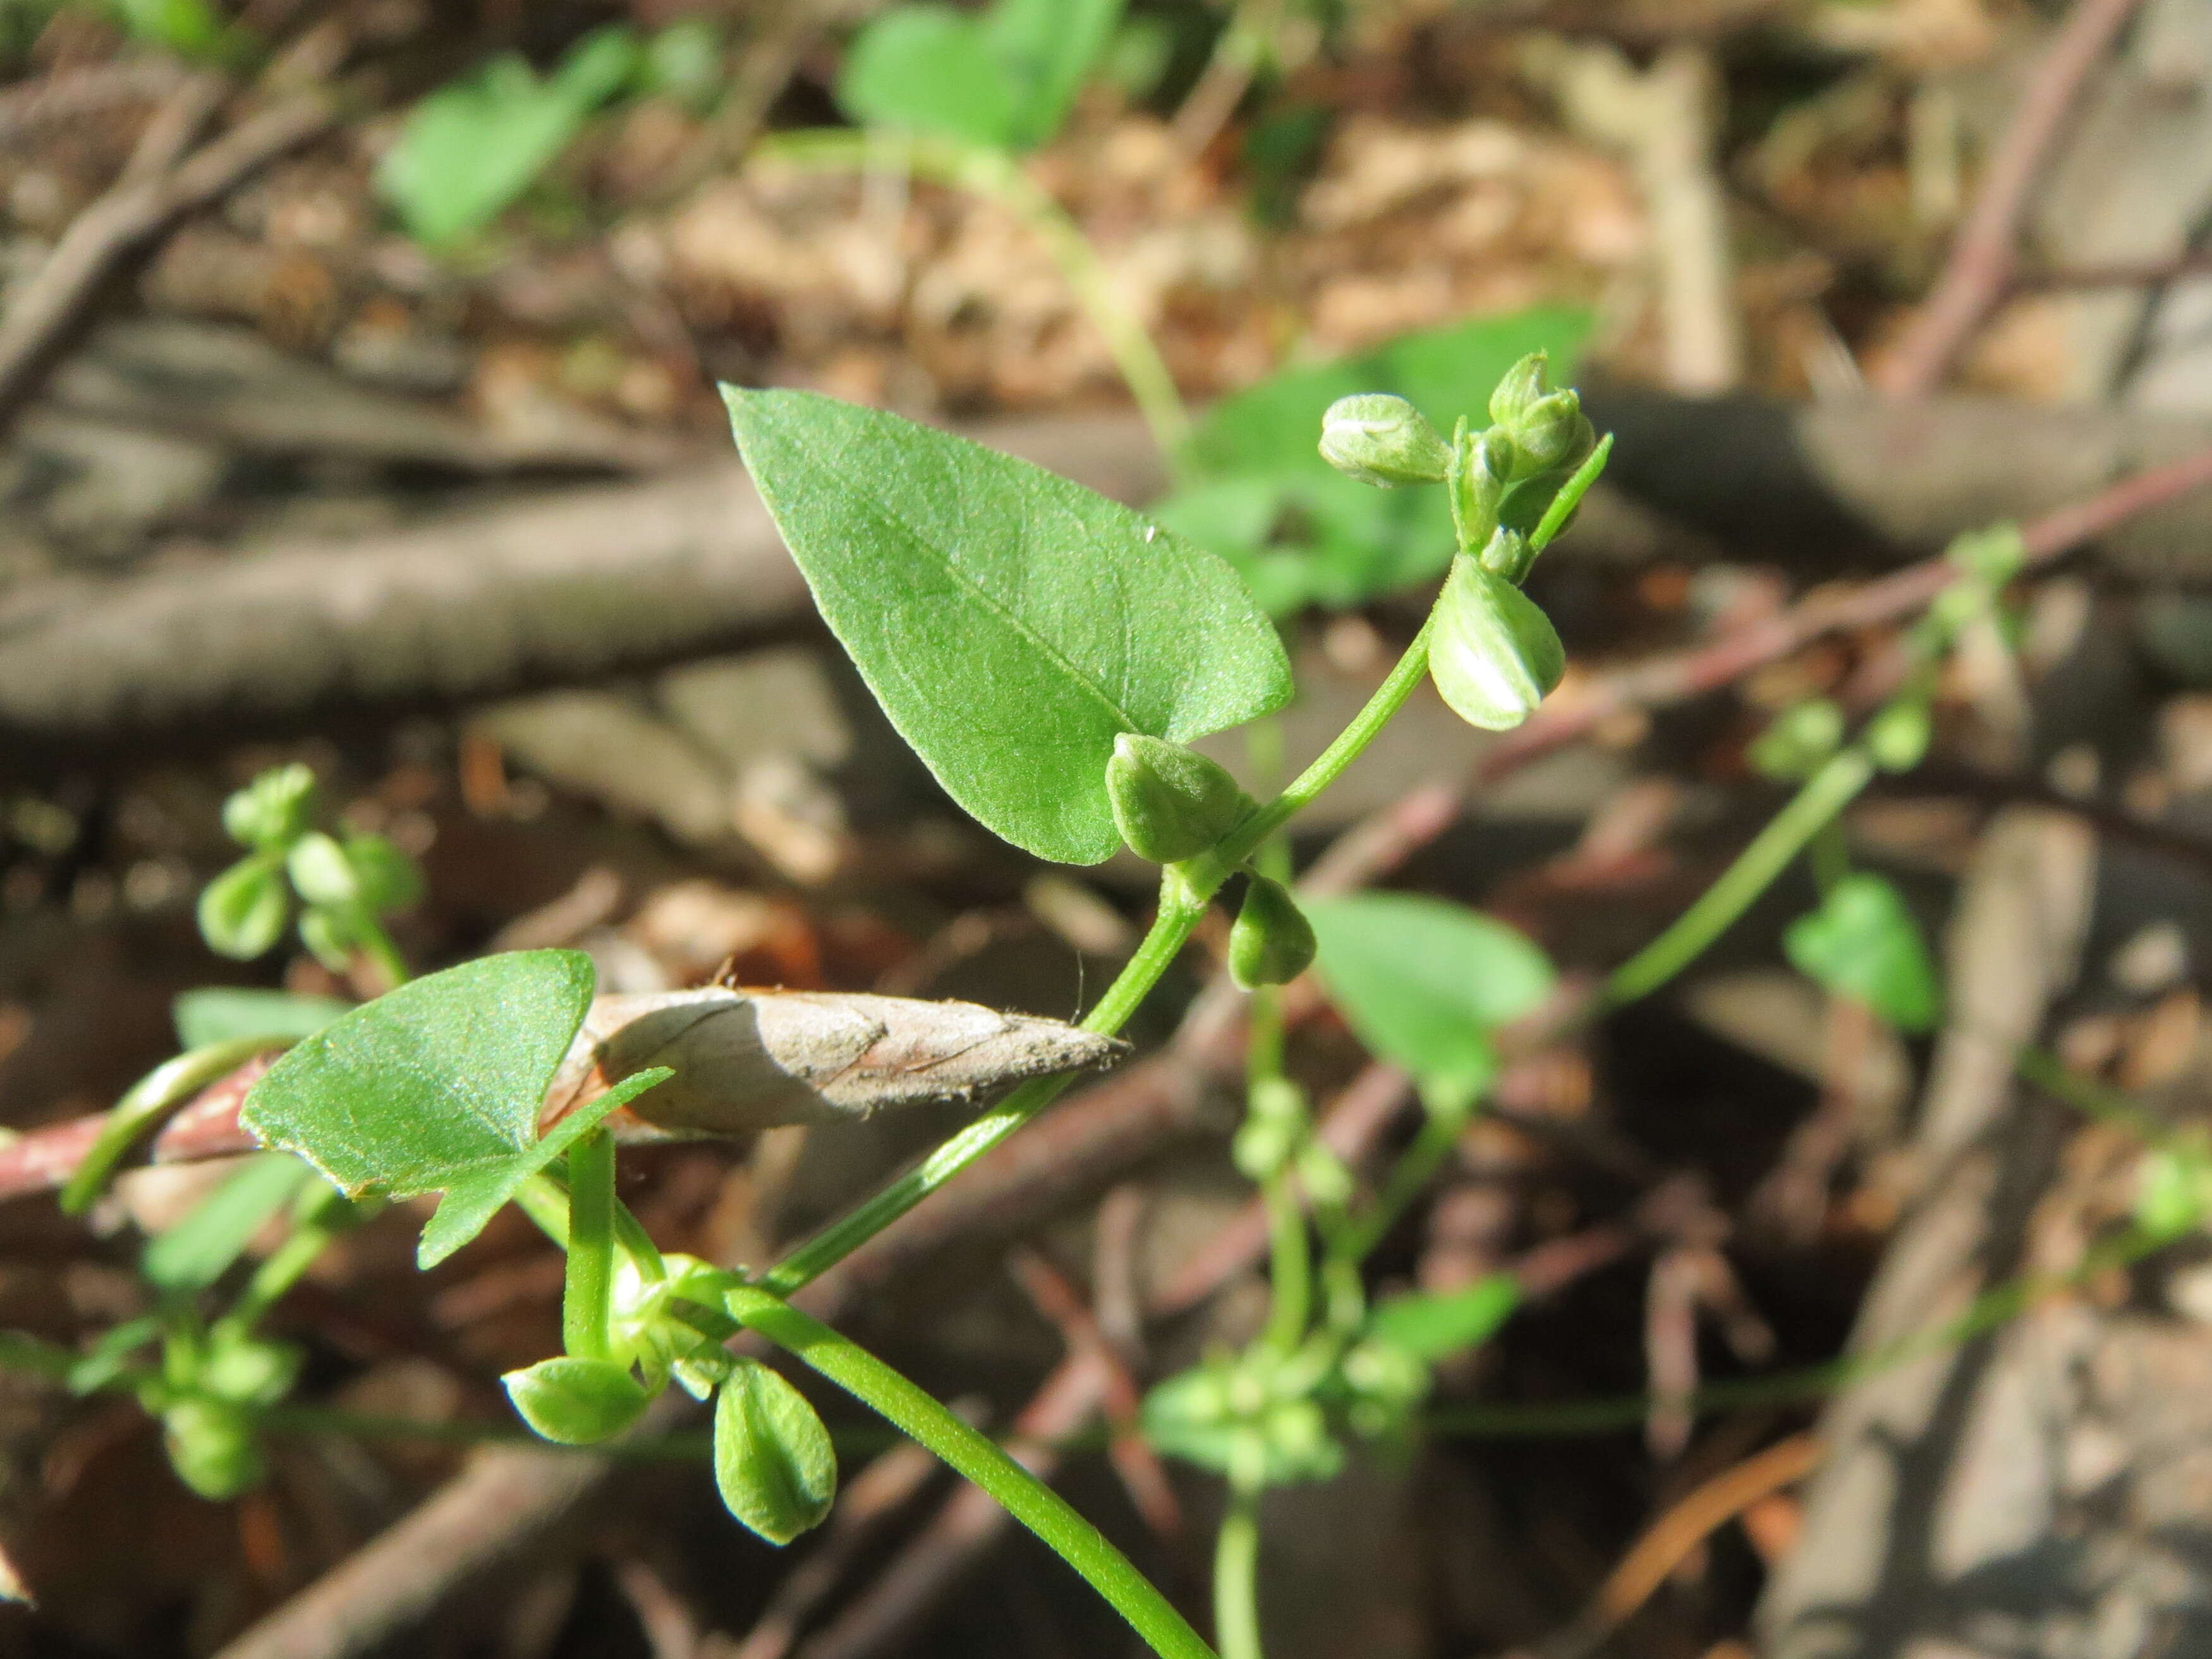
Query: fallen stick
[(1979, 270), (570, 585), (144, 205)]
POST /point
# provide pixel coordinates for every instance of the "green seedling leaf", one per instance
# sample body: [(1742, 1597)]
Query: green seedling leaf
[(1424, 983), (437, 1086), (470, 149), (190, 28), (109, 1357), (199, 1250), (1435, 1326), (387, 878), (223, 1014), (242, 911), (1044, 49), (1004, 81), (576, 1402), (320, 873), (1011, 623), (211, 1446), (1864, 943), (2174, 1191), (773, 1463), (927, 69), (273, 810)]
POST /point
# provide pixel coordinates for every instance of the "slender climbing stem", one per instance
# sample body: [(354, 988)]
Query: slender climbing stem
[(911, 1408), (149, 1101), (1185, 891), (587, 1300), (1830, 790), (1237, 1570)]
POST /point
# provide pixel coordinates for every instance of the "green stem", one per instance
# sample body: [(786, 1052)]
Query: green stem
[(376, 945), (1028, 1499), (1185, 891), (587, 1299), (1994, 1308), (1826, 793), (1179, 912), (333, 1213), (999, 177), (1328, 766), (1439, 1133), (1289, 1258), (150, 1100), (1237, 1572)]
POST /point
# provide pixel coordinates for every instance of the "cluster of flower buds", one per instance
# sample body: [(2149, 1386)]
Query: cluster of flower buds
[(1513, 487)]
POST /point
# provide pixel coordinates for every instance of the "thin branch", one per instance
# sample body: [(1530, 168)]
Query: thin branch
[(1980, 267), (148, 200)]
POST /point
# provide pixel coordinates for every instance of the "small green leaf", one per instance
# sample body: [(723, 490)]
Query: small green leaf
[(470, 149), (927, 69), (1011, 623), (211, 1446), (320, 873), (273, 810), (387, 877), (437, 1086), (1424, 983), (199, 1250), (576, 1402), (1864, 943), (1431, 1326), (1044, 49), (329, 932), (2173, 1190), (773, 1463), (224, 1014), (242, 911)]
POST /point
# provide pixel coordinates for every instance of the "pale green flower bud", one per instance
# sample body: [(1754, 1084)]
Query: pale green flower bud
[(1170, 803), (577, 1402), (1493, 654), (1382, 440), (1270, 943)]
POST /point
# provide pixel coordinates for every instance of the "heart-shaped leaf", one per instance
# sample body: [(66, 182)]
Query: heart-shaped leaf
[(1424, 983), (437, 1087), (927, 69), (1011, 623), (1864, 943), (1433, 1326)]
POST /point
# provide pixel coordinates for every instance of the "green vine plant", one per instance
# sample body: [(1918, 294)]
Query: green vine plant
[(1049, 654)]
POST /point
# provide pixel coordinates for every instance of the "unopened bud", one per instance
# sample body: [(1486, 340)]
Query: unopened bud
[(773, 1464), (1802, 736), (211, 1446), (1493, 654), (574, 1402), (1382, 440), (1897, 736), (1170, 803), (1271, 943), (1553, 434), (1524, 385), (272, 809)]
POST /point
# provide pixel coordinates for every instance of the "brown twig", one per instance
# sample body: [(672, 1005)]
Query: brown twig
[(155, 190), (2125, 273), (1980, 267), (1669, 1540)]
